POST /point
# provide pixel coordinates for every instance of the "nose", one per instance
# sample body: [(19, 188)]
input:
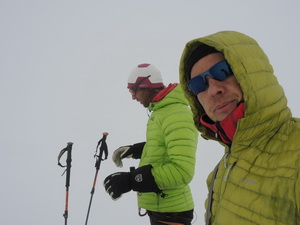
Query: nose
[(133, 94), (215, 87)]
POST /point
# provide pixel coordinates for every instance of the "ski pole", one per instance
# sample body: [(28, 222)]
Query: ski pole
[(103, 148), (67, 149)]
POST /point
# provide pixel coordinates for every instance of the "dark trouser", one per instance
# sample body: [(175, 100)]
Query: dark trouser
[(177, 218)]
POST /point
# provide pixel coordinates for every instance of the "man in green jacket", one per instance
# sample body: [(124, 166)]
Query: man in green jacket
[(167, 158), (237, 101)]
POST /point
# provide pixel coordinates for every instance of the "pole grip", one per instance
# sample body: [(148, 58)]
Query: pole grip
[(69, 160)]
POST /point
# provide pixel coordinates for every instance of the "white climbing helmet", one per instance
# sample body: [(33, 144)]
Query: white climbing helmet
[(145, 76)]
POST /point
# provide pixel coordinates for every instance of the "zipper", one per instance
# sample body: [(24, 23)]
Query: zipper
[(221, 133), (225, 158), (160, 195), (210, 194), (228, 171)]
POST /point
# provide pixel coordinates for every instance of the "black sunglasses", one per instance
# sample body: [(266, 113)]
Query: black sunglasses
[(137, 85)]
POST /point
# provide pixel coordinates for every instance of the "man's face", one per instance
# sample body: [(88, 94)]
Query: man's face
[(142, 96), (219, 98)]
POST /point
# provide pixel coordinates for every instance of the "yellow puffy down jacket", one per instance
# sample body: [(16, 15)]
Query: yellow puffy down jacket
[(257, 181)]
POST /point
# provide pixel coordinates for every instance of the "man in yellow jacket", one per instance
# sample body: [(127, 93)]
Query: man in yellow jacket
[(237, 101), (167, 158)]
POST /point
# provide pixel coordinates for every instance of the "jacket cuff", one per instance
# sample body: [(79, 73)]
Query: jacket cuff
[(137, 150)]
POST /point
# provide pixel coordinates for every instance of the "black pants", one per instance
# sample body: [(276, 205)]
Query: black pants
[(178, 218)]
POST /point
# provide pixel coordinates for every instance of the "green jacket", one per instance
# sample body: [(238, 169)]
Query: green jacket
[(257, 181), (171, 143)]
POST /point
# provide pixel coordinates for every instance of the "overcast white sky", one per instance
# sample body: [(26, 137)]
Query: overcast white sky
[(63, 74)]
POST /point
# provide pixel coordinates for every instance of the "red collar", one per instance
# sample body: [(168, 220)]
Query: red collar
[(225, 129), (164, 92)]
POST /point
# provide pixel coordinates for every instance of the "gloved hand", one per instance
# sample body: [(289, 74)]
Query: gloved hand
[(140, 180), (117, 184), (130, 151)]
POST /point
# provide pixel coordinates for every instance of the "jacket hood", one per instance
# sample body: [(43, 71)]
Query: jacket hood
[(265, 101)]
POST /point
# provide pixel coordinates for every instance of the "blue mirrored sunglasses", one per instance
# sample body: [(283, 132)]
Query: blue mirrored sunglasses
[(219, 71)]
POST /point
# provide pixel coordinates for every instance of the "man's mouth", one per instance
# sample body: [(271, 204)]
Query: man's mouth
[(224, 105)]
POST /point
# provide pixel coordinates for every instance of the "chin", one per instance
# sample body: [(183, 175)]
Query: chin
[(223, 117)]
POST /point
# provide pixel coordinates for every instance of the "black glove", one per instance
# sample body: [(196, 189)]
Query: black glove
[(140, 180), (130, 151), (117, 184)]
